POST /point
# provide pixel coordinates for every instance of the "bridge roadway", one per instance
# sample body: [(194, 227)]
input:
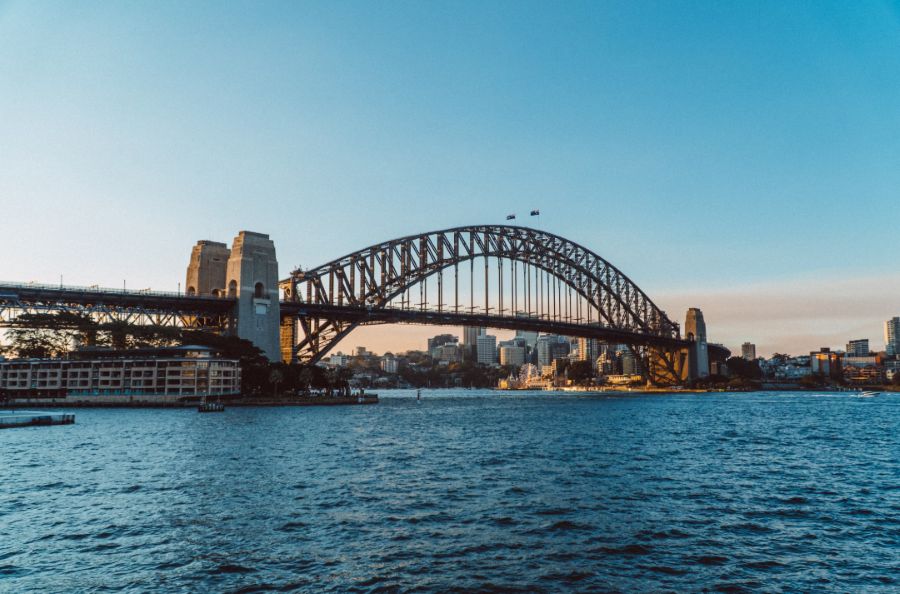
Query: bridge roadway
[(174, 308), (358, 315), (166, 308), (114, 305)]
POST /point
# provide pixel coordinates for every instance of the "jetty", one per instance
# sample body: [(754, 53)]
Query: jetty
[(25, 418)]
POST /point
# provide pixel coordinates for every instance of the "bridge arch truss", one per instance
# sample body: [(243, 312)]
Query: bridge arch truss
[(526, 278)]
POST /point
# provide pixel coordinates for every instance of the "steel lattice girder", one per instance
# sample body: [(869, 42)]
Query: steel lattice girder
[(107, 307), (370, 278)]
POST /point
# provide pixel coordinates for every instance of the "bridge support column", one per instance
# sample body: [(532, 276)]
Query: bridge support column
[(288, 339), (698, 352), (252, 276), (666, 366)]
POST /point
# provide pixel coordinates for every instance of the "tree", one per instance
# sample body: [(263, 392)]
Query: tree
[(580, 372), (740, 367), (41, 335)]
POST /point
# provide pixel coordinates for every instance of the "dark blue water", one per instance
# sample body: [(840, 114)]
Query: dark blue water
[(463, 491)]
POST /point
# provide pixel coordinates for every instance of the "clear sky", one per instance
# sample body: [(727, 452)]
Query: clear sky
[(739, 157)]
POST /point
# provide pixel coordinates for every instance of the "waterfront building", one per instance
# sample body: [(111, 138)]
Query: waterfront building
[(825, 363), (748, 351), (891, 367), (103, 375), (389, 364), (339, 359), (486, 349), (892, 336), (858, 348), (864, 370), (512, 355)]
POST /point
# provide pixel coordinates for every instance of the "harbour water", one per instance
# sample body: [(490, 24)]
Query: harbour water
[(465, 491)]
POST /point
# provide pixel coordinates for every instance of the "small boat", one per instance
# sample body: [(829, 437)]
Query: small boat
[(211, 407), (868, 394)]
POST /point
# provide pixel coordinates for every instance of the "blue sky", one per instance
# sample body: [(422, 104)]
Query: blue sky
[(718, 153)]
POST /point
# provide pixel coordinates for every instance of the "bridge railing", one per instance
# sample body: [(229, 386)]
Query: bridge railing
[(97, 289)]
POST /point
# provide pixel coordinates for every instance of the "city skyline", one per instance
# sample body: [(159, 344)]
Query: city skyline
[(749, 169)]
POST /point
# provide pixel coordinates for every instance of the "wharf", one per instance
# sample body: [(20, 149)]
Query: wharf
[(317, 400), (25, 418)]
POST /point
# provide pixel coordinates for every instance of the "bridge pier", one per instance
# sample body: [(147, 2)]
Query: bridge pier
[(248, 273)]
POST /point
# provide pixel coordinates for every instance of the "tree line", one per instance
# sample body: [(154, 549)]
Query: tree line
[(44, 335)]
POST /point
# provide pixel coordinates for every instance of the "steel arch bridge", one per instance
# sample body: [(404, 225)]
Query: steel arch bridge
[(531, 280)]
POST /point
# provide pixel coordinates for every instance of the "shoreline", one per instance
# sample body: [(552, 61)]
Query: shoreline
[(239, 402)]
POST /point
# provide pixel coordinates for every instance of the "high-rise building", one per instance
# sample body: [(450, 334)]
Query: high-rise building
[(892, 336), (748, 351), (512, 355), (470, 340), (486, 349), (529, 337), (588, 350), (549, 348), (824, 362), (858, 348)]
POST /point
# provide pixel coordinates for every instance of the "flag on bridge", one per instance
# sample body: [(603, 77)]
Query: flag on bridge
[(510, 217), (535, 213)]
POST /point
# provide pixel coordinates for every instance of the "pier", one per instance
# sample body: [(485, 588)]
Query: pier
[(25, 418)]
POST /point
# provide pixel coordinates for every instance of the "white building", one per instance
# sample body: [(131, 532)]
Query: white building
[(389, 365), (486, 349), (139, 375)]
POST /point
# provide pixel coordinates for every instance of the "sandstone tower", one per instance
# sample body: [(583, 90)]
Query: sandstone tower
[(698, 354), (249, 273), (252, 276), (206, 271)]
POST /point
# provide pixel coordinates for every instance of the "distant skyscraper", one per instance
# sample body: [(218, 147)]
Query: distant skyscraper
[(748, 351), (858, 348), (470, 340), (549, 348), (588, 350), (530, 337), (892, 336), (486, 349)]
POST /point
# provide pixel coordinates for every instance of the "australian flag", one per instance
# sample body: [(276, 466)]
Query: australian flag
[(510, 217), (535, 213)]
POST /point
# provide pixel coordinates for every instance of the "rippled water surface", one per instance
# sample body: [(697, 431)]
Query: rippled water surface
[(463, 491)]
